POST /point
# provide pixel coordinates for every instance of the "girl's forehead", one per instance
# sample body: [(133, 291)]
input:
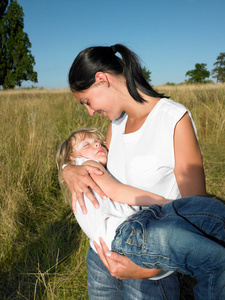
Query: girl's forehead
[(80, 137), (86, 136)]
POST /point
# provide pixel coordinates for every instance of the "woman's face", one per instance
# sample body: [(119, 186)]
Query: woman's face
[(99, 98)]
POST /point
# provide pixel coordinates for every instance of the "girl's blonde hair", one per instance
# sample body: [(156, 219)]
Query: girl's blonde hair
[(66, 150)]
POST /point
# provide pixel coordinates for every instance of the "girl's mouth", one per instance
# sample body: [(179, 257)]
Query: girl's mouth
[(100, 151)]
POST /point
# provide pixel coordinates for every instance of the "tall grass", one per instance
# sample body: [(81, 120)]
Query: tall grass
[(42, 249)]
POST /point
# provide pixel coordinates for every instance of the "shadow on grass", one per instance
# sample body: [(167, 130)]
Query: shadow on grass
[(215, 197), (46, 253)]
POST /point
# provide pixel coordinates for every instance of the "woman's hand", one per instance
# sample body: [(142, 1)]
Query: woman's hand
[(121, 266), (79, 181)]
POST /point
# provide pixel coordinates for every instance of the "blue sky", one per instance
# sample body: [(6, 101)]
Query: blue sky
[(170, 36)]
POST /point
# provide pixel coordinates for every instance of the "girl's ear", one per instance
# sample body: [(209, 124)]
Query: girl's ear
[(72, 158), (101, 77)]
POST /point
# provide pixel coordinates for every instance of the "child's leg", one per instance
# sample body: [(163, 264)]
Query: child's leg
[(167, 238), (206, 214)]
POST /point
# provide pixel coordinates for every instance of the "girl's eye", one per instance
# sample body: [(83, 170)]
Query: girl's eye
[(85, 145)]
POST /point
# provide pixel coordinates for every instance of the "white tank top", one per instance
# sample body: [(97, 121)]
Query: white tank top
[(145, 158)]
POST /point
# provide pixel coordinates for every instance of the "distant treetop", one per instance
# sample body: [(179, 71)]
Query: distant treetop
[(16, 60)]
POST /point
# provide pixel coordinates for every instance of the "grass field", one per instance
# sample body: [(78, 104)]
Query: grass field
[(42, 249)]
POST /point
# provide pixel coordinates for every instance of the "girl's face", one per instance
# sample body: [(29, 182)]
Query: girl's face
[(100, 98), (91, 148)]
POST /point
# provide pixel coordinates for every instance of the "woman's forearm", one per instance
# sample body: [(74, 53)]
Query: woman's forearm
[(78, 180), (124, 193), (134, 196)]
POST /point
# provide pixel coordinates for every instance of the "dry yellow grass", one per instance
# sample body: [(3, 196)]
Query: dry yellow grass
[(42, 250)]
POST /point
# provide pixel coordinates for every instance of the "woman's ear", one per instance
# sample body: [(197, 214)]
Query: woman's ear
[(102, 78)]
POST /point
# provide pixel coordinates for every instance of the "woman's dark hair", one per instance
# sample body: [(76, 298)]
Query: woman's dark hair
[(103, 59)]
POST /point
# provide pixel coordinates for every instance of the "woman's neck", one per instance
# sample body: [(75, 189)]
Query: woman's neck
[(138, 112)]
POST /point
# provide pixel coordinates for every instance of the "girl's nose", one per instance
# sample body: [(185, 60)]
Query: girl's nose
[(97, 144)]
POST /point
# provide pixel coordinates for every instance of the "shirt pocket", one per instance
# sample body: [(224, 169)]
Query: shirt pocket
[(144, 171)]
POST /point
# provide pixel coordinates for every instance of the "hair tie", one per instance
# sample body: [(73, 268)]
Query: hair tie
[(113, 49)]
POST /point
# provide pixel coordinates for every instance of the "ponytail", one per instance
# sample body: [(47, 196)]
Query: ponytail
[(104, 59)]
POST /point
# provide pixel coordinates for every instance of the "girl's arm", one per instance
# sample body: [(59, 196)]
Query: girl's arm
[(122, 193), (188, 160)]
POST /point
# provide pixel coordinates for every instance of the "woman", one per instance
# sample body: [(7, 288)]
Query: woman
[(152, 146), (150, 236)]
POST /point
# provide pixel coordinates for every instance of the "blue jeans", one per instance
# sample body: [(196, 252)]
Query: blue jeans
[(102, 286), (186, 235)]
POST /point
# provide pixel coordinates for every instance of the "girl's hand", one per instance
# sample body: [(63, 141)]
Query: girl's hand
[(79, 181), (121, 266)]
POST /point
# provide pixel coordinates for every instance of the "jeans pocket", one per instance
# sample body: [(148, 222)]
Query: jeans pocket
[(135, 238)]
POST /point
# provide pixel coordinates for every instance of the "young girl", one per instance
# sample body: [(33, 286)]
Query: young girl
[(88, 146)]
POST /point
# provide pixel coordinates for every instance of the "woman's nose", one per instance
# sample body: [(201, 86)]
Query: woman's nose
[(90, 111), (97, 144)]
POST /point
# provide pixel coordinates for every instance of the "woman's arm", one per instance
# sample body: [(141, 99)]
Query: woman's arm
[(188, 169), (78, 180), (122, 193)]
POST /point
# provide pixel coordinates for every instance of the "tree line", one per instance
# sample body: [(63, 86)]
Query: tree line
[(200, 74), (17, 62)]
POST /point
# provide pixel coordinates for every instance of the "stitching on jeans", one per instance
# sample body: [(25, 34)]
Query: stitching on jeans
[(132, 239)]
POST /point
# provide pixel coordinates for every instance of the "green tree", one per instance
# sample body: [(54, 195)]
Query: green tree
[(219, 71), (147, 74), (199, 74), (3, 5), (16, 59)]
